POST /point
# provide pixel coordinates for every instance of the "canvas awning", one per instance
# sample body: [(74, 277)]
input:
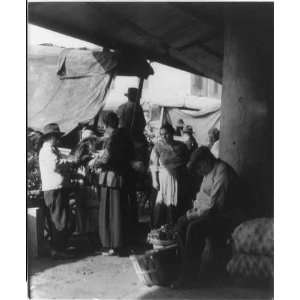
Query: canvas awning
[(68, 86)]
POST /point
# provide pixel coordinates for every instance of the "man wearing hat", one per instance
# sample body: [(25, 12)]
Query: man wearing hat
[(189, 139), (179, 127), (131, 117), (52, 168)]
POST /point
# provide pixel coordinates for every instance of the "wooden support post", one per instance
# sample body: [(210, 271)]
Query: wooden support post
[(162, 112), (140, 89), (139, 95)]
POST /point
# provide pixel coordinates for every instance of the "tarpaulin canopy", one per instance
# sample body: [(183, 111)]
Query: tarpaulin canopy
[(202, 120), (68, 86)]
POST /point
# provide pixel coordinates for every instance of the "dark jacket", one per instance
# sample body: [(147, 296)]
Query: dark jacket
[(119, 152), (131, 116)]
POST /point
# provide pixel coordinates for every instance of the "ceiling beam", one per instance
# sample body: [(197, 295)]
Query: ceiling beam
[(121, 22), (116, 33), (202, 40), (190, 11)]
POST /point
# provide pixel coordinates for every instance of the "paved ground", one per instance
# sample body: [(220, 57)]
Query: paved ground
[(92, 276), (100, 277)]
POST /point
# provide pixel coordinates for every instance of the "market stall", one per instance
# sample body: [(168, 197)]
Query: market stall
[(70, 87)]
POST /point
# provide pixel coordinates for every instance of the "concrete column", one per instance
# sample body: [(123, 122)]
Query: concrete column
[(246, 140)]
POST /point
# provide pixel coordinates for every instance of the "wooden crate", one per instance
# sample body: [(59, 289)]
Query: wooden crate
[(35, 231)]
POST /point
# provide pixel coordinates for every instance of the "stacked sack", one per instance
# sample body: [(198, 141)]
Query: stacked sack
[(253, 250)]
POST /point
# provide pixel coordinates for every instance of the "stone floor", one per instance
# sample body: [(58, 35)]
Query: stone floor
[(92, 276)]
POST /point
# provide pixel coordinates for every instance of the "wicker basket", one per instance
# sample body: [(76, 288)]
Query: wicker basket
[(157, 267)]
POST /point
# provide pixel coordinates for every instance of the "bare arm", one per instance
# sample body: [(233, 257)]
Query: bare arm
[(154, 161)]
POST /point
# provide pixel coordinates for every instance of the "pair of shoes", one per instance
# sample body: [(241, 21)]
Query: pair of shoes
[(60, 255)]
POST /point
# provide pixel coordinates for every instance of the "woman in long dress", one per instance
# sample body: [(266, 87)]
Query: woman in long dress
[(114, 175), (170, 178)]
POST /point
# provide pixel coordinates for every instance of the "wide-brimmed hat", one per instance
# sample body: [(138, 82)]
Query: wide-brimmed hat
[(52, 129), (188, 129), (132, 92)]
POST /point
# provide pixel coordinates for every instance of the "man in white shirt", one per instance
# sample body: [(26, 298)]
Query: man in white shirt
[(214, 213), (52, 168)]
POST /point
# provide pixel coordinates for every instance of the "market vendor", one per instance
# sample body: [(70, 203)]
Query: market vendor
[(87, 198), (215, 211), (114, 177), (54, 185)]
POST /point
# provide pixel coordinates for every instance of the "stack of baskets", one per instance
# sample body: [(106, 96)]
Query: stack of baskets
[(253, 250)]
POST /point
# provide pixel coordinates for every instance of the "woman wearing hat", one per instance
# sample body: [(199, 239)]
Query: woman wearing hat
[(52, 169)]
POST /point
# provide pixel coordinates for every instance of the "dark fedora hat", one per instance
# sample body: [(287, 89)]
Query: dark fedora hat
[(188, 129), (132, 92), (52, 129)]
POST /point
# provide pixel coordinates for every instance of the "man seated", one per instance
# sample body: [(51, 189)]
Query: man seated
[(214, 213)]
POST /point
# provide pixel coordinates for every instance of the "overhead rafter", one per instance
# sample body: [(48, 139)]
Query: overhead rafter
[(108, 26), (121, 22), (202, 40), (200, 14)]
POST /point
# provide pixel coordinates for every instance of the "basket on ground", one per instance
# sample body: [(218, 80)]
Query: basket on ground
[(157, 267)]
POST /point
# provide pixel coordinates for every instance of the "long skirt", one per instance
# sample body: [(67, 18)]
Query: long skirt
[(173, 199), (112, 215)]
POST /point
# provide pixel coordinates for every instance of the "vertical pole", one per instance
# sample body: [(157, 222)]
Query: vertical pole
[(246, 140), (162, 112), (137, 102), (140, 89)]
